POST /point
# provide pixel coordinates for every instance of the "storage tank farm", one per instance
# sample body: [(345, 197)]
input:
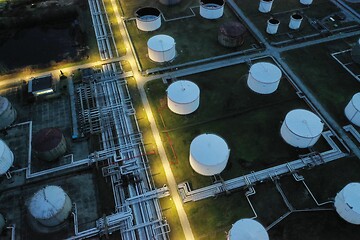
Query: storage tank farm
[(347, 203), (49, 144), (148, 19), (352, 110), (50, 207), (212, 9), (209, 154), (264, 77), (183, 97), (231, 34), (265, 6), (6, 158), (7, 113), (301, 128), (247, 229), (355, 52), (161, 48)]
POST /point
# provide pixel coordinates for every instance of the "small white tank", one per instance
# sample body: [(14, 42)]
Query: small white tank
[(209, 154), (264, 77), (161, 48), (306, 2), (183, 97), (6, 158), (301, 128), (50, 206), (212, 9), (265, 6), (347, 203), (272, 26), (7, 113), (295, 21), (247, 229), (352, 110), (148, 19)]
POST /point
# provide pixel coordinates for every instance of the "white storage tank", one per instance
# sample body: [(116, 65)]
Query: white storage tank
[(352, 110), (264, 77), (347, 203), (183, 97), (50, 206), (306, 2), (272, 26), (265, 6), (6, 157), (148, 19), (7, 113), (247, 229), (209, 154), (295, 21), (212, 9), (161, 48), (301, 128), (49, 144)]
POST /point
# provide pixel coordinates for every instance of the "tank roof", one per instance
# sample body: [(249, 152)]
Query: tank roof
[(4, 103), (161, 43), (356, 101), (46, 139), (248, 229), (232, 29), (217, 2), (183, 91), (351, 193), (265, 72), (146, 11), (304, 123)]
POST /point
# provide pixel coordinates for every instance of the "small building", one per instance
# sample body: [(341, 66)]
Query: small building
[(41, 85)]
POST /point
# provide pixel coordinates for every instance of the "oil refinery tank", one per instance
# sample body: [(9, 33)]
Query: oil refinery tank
[(7, 113), (49, 144), (347, 203), (264, 77), (148, 19), (272, 26), (6, 158), (212, 9), (247, 229), (161, 48), (50, 206), (301, 128), (231, 34), (355, 52), (265, 6), (169, 2), (209, 154), (306, 2), (183, 97), (295, 21), (352, 110)]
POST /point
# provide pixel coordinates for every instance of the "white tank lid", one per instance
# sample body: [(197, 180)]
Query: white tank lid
[(248, 229), (304, 123), (3, 104), (351, 193), (161, 43), (209, 149), (183, 91), (47, 202), (265, 72), (356, 101)]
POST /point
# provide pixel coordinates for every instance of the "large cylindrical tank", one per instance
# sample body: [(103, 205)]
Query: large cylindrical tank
[(265, 6), (295, 21), (306, 2), (347, 203), (272, 26), (247, 229), (7, 113), (212, 9), (355, 52), (6, 157), (169, 2), (301, 128), (161, 48), (209, 154), (50, 206), (183, 97), (352, 110), (2, 223), (148, 19), (231, 34), (264, 77), (49, 144)]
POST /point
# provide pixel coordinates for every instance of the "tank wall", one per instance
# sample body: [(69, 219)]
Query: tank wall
[(183, 109), (261, 88), (211, 13), (162, 56), (6, 159), (207, 170), (343, 209), (294, 23), (265, 6), (306, 2), (54, 153), (8, 116), (272, 28), (148, 26), (352, 114), (295, 140)]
